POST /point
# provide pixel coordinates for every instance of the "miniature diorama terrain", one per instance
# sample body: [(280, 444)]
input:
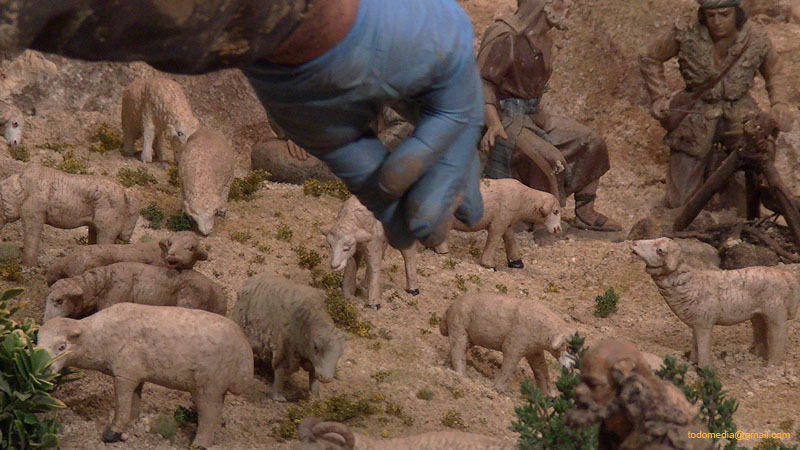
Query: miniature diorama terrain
[(397, 375)]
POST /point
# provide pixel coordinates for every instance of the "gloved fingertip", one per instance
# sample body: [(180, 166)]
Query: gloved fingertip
[(470, 212)]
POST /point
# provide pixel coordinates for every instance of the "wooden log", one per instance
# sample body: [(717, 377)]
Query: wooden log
[(712, 185)]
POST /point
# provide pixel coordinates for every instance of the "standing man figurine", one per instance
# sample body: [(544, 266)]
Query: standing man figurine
[(719, 56), (545, 151)]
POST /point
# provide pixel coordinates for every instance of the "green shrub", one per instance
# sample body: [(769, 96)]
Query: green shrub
[(105, 139), (541, 420), (69, 163), (425, 394), (154, 215), (453, 419), (772, 444), (339, 408), (307, 259), (173, 176), (240, 236), (27, 418), (244, 189), (345, 314), (326, 281), (9, 271), (185, 415), (20, 153), (164, 426), (501, 288), (335, 188), (606, 304), (129, 177), (179, 222), (284, 233)]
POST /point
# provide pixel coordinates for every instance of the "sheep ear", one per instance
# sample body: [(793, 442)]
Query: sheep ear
[(548, 207), (201, 254), (671, 260), (362, 236), (74, 333)]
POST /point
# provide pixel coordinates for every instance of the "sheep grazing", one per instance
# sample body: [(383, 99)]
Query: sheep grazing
[(155, 109), (11, 121), (205, 165), (314, 434), (41, 195), (519, 328), (104, 286), (766, 296), (204, 354), (357, 234), (288, 323), (178, 251), (505, 202)]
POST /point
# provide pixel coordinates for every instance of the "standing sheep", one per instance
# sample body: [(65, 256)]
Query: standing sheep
[(356, 234), (104, 286), (11, 121), (41, 195), (288, 322), (177, 251), (506, 201), (155, 109), (518, 328), (205, 165), (204, 354)]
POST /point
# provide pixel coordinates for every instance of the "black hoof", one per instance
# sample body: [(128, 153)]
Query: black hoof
[(376, 306), (516, 264), (112, 436), (413, 291)]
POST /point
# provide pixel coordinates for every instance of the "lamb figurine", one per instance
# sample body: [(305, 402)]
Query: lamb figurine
[(505, 202), (155, 109), (288, 322), (766, 296), (205, 165), (104, 286), (357, 234), (314, 434), (177, 251), (519, 328), (41, 195), (11, 121), (204, 354)]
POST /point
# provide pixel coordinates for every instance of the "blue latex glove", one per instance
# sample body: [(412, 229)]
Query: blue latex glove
[(416, 53)]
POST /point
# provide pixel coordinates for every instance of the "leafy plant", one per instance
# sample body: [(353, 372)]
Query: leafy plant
[(339, 408), (606, 304), (335, 188), (179, 222), (453, 419), (345, 314), (541, 420), (69, 163), (105, 139), (307, 259), (154, 215), (284, 233), (240, 236), (129, 177), (26, 407), (244, 189), (173, 177), (9, 271), (185, 415), (20, 153)]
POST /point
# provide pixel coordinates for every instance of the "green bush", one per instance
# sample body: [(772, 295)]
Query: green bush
[(26, 407), (185, 415), (20, 153), (69, 163), (541, 420), (316, 188), (154, 215), (105, 139), (10, 271), (606, 304), (179, 222), (174, 177), (339, 408), (306, 259), (244, 189), (345, 314), (141, 176)]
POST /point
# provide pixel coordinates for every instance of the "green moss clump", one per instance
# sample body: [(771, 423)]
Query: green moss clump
[(105, 139), (56, 146), (164, 426), (434, 320), (185, 415), (179, 222), (333, 188), (9, 271), (460, 283), (453, 419), (606, 304), (771, 443), (20, 153), (307, 259), (284, 233), (501, 288), (174, 178), (345, 314), (129, 177), (244, 189), (326, 281), (425, 394), (339, 408), (69, 163), (380, 376), (240, 236), (154, 215)]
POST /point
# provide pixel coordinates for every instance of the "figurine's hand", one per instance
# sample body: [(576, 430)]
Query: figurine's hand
[(296, 151), (783, 116), (492, 133), (660, 108)]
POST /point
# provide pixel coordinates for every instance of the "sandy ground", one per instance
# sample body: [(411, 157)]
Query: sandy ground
[(596, 81)]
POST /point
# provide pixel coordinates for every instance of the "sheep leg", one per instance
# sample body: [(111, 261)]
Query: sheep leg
[(159, 144), (148, 134), (759, 346), (349, 278), (32, 224), (209, 417), (513, 253), (313, 382), (702, 346), (459, 343), (410, 263), (539, 367), (279, 373), (374, 259), (124, 393), (136, 401), (492, 241), (776, 338), (512, 354)]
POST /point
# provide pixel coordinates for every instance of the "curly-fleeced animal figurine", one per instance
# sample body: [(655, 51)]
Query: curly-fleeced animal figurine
[(41, 195), (288, 322), (103, 286), (766, 296), (518, 328), (155, 109), (11, 121), (315, 434), (357, 235), (204, 354), (205, 165), (177, 251), (505, 202)]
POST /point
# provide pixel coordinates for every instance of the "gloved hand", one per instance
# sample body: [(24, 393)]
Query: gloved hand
[(416, 52)]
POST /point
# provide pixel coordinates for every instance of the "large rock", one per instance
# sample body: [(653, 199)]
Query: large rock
[(273, 156)]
